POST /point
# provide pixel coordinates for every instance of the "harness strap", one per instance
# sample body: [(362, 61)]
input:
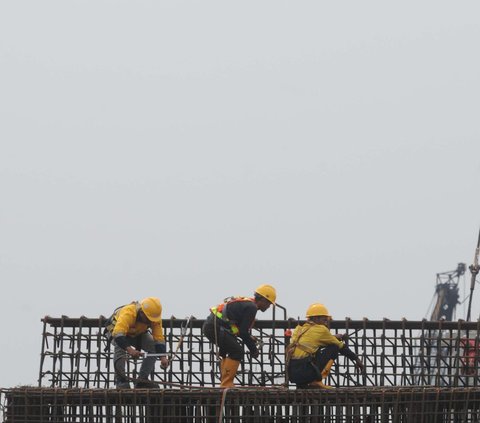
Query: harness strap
[(291, 348), (111, 322), (220, 311)]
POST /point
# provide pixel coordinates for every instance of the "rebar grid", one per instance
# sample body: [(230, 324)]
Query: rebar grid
[(210, 405), (396, 353)]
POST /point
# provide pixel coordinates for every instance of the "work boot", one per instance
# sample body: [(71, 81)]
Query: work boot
[(325, 373), (121, 382), (229, 369), (327, 368), (319, 384)]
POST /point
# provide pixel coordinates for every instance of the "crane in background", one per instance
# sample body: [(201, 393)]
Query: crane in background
[(474, 269), (446, 291), (447, 299)]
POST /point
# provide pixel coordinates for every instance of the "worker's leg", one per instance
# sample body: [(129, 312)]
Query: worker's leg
[(147, 344), (327, 368), (229, 371), (324, 359), (234, 351), (229, 349), (301, 372), (208, 329), (119, 362)]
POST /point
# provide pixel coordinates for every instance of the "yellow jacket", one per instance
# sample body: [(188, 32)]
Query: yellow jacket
[(309, 337), (126, 324)]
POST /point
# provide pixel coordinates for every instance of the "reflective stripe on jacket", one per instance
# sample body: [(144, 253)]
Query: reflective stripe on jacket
[(220, 311)]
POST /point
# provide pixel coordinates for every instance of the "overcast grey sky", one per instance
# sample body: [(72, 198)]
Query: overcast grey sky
[(193, 150)]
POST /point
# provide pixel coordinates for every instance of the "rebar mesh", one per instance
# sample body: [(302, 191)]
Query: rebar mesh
[(415, 372), (396, 353), (202, 405)]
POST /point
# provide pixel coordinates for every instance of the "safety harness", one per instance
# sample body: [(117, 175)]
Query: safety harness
[(295, 343), (110, 323), (220, 311)]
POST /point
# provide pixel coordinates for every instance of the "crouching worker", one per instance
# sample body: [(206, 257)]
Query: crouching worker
[(235, 318), (135, 327), (313, 350)]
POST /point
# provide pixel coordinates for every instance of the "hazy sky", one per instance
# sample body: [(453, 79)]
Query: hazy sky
[(194, 150)]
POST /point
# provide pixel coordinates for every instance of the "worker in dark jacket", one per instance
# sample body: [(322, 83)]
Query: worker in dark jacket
[(135, 327), (313, 350), (235, 318)]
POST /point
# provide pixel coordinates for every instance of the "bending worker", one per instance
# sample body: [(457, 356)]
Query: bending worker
[(313, 350), (135, 327), (235, 318)]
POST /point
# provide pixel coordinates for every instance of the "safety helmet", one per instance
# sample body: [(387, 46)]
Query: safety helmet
[(152, 308), (268, 292), (317, 309)]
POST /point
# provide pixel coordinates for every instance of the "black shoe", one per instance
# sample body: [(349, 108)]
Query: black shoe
[(123, 385), (146, 384)]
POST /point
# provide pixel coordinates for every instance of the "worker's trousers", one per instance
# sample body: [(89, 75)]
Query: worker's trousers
[(228, 344), (143, 342), (305, 370)]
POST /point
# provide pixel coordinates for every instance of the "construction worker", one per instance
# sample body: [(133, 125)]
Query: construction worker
[(135, 327), (235, 318), (313, 350)]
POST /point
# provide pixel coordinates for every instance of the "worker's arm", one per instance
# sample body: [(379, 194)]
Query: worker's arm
[(244, 314), (347, 352), (122, 342), (126, 318), (159, 339), (324, 337)]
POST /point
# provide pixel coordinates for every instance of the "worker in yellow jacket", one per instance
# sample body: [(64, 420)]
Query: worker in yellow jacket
[(235, 318), (135, 327), (313, 350)]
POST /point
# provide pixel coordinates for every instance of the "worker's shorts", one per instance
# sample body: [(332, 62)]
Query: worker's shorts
[(305, 370), (228, 344)]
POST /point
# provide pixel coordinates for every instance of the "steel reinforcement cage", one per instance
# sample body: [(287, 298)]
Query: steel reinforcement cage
[(261, 405), (75, 354), (415, 372)]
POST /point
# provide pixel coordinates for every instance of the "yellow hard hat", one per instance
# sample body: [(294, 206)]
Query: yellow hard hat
[(152, 308), (268, 292), (317, 309)]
